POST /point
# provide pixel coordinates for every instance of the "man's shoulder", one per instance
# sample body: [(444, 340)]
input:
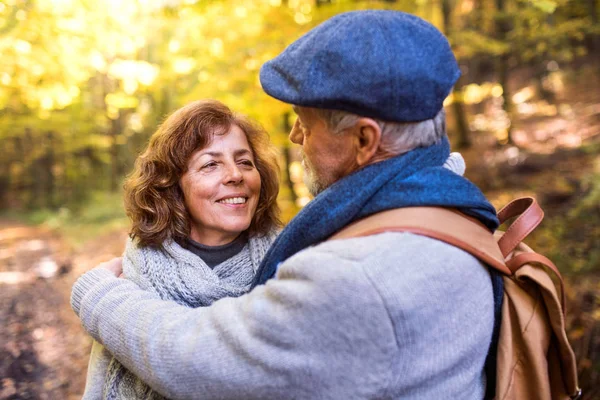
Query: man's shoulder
[(400, 246), (387, 255)]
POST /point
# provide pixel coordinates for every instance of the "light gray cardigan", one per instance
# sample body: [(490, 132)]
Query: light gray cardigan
[(388, 316)]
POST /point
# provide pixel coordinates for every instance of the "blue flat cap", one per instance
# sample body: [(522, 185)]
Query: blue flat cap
[(381, 64)]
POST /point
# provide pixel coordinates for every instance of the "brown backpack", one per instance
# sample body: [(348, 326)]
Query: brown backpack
[(534, 357)]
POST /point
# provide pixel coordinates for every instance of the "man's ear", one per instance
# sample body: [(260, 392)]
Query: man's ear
[(367, 138)]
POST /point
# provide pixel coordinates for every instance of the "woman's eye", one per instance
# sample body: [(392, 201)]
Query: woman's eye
[(209, 165), (247, 163)]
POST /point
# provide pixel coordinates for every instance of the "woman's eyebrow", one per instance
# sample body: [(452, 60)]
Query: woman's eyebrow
[(236, 153), (210, 153), (242, 152)]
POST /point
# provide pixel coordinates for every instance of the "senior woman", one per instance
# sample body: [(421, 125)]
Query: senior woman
[(202, 201)]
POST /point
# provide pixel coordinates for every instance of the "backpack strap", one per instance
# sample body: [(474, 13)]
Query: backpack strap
[(444, 224), (529, 214), (457, 229)]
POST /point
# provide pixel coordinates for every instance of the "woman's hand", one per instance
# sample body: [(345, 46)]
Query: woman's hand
[(115, 266)]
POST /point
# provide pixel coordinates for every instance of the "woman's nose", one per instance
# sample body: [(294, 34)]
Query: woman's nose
[(234, 174)]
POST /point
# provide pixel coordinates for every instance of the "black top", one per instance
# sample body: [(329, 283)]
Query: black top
[(215, 255)]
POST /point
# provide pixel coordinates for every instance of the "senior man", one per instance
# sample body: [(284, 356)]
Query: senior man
[(392, 315)]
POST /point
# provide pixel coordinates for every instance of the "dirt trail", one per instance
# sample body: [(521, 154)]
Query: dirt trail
[(43, 349)]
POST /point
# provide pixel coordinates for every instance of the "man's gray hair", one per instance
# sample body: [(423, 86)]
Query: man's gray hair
[(396, 137)]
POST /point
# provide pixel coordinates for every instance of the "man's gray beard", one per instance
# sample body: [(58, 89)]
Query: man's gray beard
[(312, 184), (311, 180)]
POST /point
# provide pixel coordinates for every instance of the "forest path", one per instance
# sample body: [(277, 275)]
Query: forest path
[(44, 350)]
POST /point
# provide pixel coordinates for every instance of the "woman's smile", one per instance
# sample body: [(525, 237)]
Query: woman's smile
[(234, 200)]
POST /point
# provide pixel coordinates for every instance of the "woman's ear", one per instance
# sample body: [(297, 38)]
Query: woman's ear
[(367, 138)]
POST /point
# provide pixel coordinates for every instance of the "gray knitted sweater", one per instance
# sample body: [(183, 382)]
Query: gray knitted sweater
[(389, 316), (172, 273)]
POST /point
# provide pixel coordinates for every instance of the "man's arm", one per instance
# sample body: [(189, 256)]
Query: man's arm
[(282, 340)]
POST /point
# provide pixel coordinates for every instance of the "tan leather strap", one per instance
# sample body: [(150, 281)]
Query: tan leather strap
[(530, 215), (439, 223)]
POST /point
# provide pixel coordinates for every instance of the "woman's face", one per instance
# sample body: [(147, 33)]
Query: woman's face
[(221, 188)]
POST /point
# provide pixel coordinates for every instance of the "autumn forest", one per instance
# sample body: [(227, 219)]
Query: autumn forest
[(84, 84)]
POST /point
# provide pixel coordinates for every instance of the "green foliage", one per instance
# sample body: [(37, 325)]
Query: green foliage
[(570, 239), (470, 43), (528, 30), (540, 33), (83, 84), (582, 228), (547, 6)]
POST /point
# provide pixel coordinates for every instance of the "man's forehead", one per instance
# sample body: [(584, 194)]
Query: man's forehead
[(305, 113), (300, 113)]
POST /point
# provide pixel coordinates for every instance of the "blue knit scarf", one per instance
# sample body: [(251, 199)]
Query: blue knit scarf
[(416, 178)]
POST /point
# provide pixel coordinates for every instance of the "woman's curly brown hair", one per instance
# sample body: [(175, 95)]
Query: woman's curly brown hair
[(153, 199)]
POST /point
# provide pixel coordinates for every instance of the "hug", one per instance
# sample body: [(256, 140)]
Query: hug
[(217, 301)]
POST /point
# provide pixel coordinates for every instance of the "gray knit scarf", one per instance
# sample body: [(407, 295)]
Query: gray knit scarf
[(177, 274)]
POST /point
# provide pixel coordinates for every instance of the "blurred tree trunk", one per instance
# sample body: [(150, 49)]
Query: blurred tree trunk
[(116, 124), (594, 40), (502, 29), (541, 72), (458, 110), (5, 167), (540, 69), (16, 176), (476, 23), (29, 184), (86, 161), (41, 174), (116, 129), (38, 178), (479, 21), (47, 169)]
